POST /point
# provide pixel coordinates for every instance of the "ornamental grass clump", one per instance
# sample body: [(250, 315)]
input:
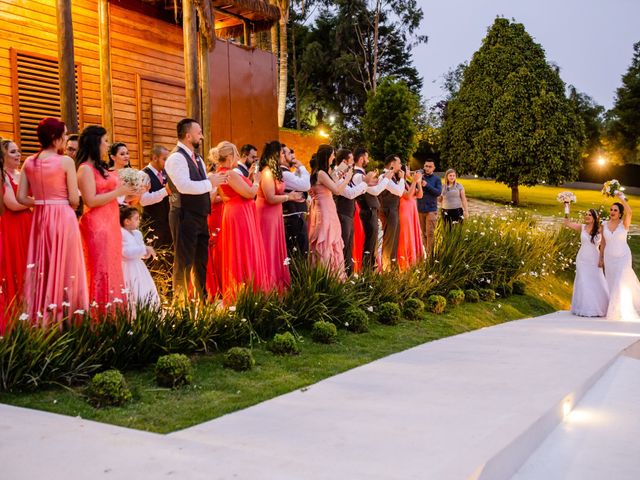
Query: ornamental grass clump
[(413, 308), (487, 295), (389, 313), (519, 287), (324, 332), (173, 371), (455, 297), (471, 296), (436, 304), (239, 359), (505, 290), (283, 344), (356, 320), (108, 389)]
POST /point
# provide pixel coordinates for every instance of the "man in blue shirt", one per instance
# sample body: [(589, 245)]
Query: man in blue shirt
[(428, 205)]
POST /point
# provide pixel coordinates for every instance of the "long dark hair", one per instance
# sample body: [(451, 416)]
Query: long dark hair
[(620, 209), (89, 148), (595, 228), (271, 158), (322, 162), (113, 151)]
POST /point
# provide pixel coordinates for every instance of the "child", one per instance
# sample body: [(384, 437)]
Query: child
[(142, 290)]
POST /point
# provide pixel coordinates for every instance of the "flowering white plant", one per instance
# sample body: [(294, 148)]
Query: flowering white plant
[(610, 188), (134, 178)]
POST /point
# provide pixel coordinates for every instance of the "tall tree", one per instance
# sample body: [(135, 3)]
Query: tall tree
[(624, 126), (592, 116), (511, 119)]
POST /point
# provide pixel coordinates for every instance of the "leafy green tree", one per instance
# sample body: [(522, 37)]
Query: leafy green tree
[(624, 127), (592, 116), (389, 122), (510, 119)]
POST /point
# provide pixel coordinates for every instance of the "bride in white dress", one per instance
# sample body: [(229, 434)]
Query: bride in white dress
[(624, 287), (590, 292)]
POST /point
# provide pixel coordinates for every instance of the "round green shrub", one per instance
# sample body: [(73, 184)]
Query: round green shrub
[(324, 332), (108, 389), (283, 344), (486, 294), (436, 303), (238, 359), (412, 308), (389, 313), (455, 297), (519, 287), (173, 371), (356, 320), (471, 296), (505, 290)]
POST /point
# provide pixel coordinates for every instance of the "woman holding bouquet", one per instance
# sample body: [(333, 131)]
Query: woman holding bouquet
[(100, 224), (624, 287), (590, 292)]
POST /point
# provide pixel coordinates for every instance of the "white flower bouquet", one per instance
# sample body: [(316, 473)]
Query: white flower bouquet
[(566, 198), (134, 178), (611, 188)]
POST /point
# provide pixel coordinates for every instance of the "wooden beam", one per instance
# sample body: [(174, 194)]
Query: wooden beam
[(190, 35), (66, 65), (205, 84), (106, 90)]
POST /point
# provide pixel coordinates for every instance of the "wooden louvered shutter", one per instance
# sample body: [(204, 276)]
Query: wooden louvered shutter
[(36, 95)]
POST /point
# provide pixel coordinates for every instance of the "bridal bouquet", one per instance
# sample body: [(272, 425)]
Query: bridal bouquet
[(566, 198), (134, 178), (612, 187)]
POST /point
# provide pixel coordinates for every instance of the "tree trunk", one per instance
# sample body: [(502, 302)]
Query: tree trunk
[(515, 195), (106, 90), (282, 89), (190, 36), (295, 78), (66, 65), (376, 31)]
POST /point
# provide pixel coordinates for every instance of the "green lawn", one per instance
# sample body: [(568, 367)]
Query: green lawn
[(542, 199), (217, 391)]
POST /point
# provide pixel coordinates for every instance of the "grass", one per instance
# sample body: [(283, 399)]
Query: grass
[(542, 198), (217, 391)]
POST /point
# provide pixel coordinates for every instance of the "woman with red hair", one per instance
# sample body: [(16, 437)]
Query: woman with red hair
[(55, 282)]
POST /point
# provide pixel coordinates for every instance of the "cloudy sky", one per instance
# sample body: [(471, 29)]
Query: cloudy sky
[(590, 40)]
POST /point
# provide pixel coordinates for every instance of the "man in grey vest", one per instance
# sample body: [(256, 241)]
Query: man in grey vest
[(190, 204), (390, 212)]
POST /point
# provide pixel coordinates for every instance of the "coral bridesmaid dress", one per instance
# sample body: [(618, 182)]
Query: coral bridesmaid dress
[(55, 281), (243, 254), (325, 234), (13, 261), (273, 237), (358, 241), (410, 242), (214, 261), (102, 242)]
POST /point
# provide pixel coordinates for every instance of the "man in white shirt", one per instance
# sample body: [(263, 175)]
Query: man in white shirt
[(390, 212), (155, 202), (294, 212), (248, 156), (190, 204)]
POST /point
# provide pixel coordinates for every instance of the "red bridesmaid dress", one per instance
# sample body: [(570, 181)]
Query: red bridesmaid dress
[(214, 262), (410, 242), (358, 241)]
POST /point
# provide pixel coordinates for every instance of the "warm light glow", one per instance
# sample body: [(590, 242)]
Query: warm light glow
[(323, 133), (601, 161), (332, 118), (566, 408)]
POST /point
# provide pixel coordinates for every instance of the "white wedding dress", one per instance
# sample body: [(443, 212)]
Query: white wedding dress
[(142, 289), (624, 287), (590, 292)]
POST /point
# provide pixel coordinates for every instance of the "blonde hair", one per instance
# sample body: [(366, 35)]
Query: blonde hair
[(221, 151), (446, 177)]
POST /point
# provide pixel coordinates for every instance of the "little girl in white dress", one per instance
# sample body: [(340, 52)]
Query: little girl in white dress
[(142, 289)]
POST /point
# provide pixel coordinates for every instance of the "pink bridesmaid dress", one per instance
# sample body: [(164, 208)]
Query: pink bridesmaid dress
[(102, 242), (273, 238), (55, 281), (410, 241), (325, 234)]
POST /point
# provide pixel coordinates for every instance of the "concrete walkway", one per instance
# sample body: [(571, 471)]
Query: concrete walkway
[(473, 406)]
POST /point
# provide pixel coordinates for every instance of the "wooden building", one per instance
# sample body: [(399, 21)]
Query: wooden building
[(123, 64)]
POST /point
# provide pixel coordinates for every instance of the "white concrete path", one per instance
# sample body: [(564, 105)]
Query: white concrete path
[(474, 406)]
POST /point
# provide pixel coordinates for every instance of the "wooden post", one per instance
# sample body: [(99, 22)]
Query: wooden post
[(206, 97), (246, 31), (106, 91), (190, 35), (66, 66)]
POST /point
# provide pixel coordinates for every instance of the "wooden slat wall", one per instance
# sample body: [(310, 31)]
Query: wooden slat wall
[(30, 25)]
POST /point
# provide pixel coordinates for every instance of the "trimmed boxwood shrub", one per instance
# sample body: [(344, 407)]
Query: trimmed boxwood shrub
[(108, 389), (324, 332), (471, 296), (389, 313), (519, 287), (283, 344), (455, 297), (356, 320), (412, 308), (505, 290), (173, 371), (238, 359), (486, 294), (436, 303)]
